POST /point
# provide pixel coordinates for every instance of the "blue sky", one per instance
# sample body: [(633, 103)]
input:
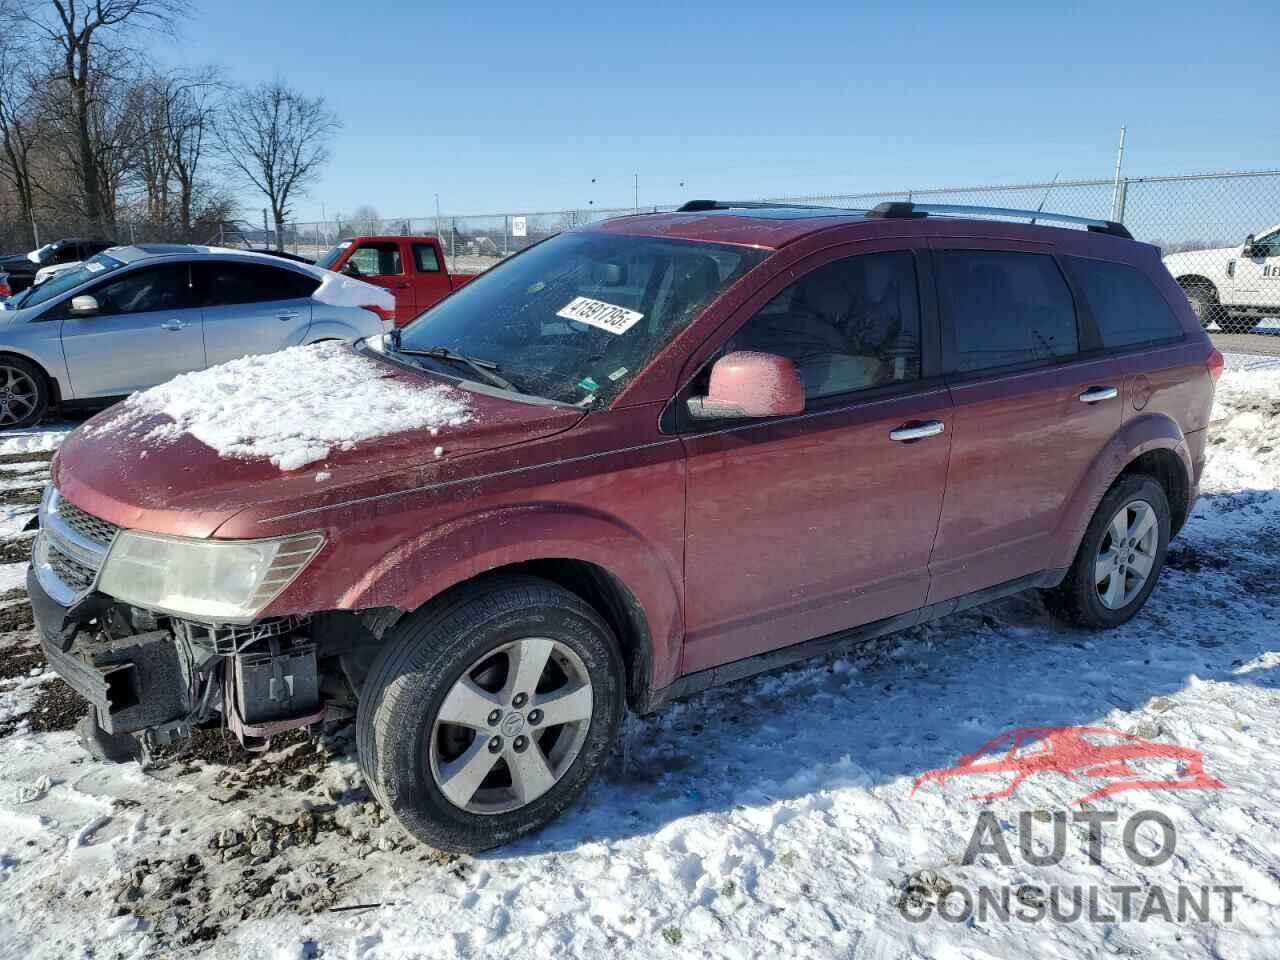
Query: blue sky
[(517, 106)]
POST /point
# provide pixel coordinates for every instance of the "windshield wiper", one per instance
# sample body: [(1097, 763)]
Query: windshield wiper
[(486, 369)]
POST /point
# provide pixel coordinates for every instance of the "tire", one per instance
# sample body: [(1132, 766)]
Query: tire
[(461, 652), (24, 393), (1084, 597), (1204, 302)]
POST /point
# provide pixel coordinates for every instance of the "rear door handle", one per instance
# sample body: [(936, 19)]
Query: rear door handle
[(1097, 394), (287, 315), (173, 325), (905, 434)]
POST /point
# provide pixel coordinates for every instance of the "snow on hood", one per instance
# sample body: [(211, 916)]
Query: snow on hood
[(37, 256), (291, 407)]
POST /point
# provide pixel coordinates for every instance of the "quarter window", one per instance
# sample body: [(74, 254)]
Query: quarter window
[(1002, 309), (424, 257), (850, 325), (1129, 310)]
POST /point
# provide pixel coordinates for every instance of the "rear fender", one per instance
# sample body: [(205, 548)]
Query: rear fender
[(466, 547), (1140, 435)]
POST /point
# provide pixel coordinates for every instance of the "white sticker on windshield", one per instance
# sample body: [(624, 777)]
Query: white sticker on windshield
[(93, 267), (597, 313)]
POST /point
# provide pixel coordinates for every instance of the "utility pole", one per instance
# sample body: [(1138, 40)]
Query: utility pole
[(1117, 191)]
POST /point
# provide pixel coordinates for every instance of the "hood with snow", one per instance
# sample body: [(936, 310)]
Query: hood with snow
[(305, 423)]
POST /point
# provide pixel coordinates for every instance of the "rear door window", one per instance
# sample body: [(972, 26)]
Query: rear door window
[(232, 283), (1003, 309), (1126, 305)]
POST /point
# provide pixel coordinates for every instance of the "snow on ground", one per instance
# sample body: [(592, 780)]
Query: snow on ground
[(284, 407), (773, 817)]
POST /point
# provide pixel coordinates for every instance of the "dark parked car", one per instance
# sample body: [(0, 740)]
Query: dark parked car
[(20, 269), (700, 445)]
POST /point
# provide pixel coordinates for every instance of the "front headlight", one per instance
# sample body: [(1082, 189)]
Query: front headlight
[(218, 580)]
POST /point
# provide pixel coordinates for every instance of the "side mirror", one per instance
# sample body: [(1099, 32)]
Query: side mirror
[(84, 306), (750, 384), (1248, 250)]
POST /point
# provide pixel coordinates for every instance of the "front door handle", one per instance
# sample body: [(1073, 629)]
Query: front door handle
[(905, 434), (1097, 394), (287, 315), (173, 325)]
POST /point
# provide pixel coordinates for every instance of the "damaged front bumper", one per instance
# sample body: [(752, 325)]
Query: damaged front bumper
[(156, 677)]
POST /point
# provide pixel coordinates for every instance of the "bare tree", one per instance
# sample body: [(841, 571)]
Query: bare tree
[(22, 126), (277, 139), (79, 31), (366, 220)]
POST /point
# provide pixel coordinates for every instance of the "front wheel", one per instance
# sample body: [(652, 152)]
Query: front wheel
[(1204, 302), (1120, 557), (24, 393), (487, 714)]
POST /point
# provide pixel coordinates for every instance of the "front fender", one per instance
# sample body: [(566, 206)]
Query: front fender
[(1140, 435), (436, 559)]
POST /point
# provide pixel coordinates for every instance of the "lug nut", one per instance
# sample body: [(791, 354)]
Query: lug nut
[(494, 717), (520, 744), (495, 744), (535, 717), (520, 700)]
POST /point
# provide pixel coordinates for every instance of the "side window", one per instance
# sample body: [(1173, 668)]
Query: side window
[(424, 257), (232, 283), (1000, 309), (375, 260), (145, 291), (68, 254), (1128, 308), (850, 325)]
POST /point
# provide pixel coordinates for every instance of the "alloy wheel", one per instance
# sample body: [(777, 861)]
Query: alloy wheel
[(18, 395), (1127, 554), (511, 726)]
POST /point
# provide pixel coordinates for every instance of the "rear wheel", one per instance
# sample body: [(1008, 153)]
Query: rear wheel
[(1204, 301), (1120, 557), (24, 393), (486, 715)]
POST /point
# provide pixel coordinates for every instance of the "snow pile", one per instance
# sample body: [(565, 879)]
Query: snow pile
[(290, 407)]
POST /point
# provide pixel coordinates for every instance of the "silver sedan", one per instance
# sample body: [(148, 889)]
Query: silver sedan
[(132, 317)]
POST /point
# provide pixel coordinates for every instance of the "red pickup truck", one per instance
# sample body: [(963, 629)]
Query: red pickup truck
[(412, 268)]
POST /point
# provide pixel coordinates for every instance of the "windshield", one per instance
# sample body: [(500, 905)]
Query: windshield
[(333, 255), (68, 280), (577, 317)]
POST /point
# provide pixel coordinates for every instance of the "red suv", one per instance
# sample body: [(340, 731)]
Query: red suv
[(667, 451)]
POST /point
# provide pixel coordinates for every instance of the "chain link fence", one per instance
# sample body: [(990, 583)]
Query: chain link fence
[(1205, 217)]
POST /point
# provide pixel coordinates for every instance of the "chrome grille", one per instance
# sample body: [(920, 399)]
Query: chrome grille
[(86, 524), (69, 570)]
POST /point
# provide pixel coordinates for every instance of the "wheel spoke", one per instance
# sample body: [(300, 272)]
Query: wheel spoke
[(467, 705), (1105, 567), (530, 775), (1120, 528), (1114, 595), (1141, 564), (565, 705), (460, 778), (1142, 524), (526, 659)]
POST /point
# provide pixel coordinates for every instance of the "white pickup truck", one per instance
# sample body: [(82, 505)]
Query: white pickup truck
[(1235, 286)]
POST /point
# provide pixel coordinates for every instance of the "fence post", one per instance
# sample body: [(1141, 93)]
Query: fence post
[(1122, 194)]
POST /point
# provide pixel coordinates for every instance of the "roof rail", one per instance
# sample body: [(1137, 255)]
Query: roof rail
[(697, 206), (903, 209)]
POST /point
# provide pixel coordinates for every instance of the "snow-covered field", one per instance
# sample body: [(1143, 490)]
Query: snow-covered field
[(774, 817)]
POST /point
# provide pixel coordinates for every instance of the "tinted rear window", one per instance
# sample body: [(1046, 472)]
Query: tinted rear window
[(1003, 309), (1128, 308)]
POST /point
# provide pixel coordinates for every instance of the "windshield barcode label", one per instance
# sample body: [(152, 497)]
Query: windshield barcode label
[(597, 313)]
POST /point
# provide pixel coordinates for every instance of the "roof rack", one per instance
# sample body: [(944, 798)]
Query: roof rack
[(905, 210), (697, 206)]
